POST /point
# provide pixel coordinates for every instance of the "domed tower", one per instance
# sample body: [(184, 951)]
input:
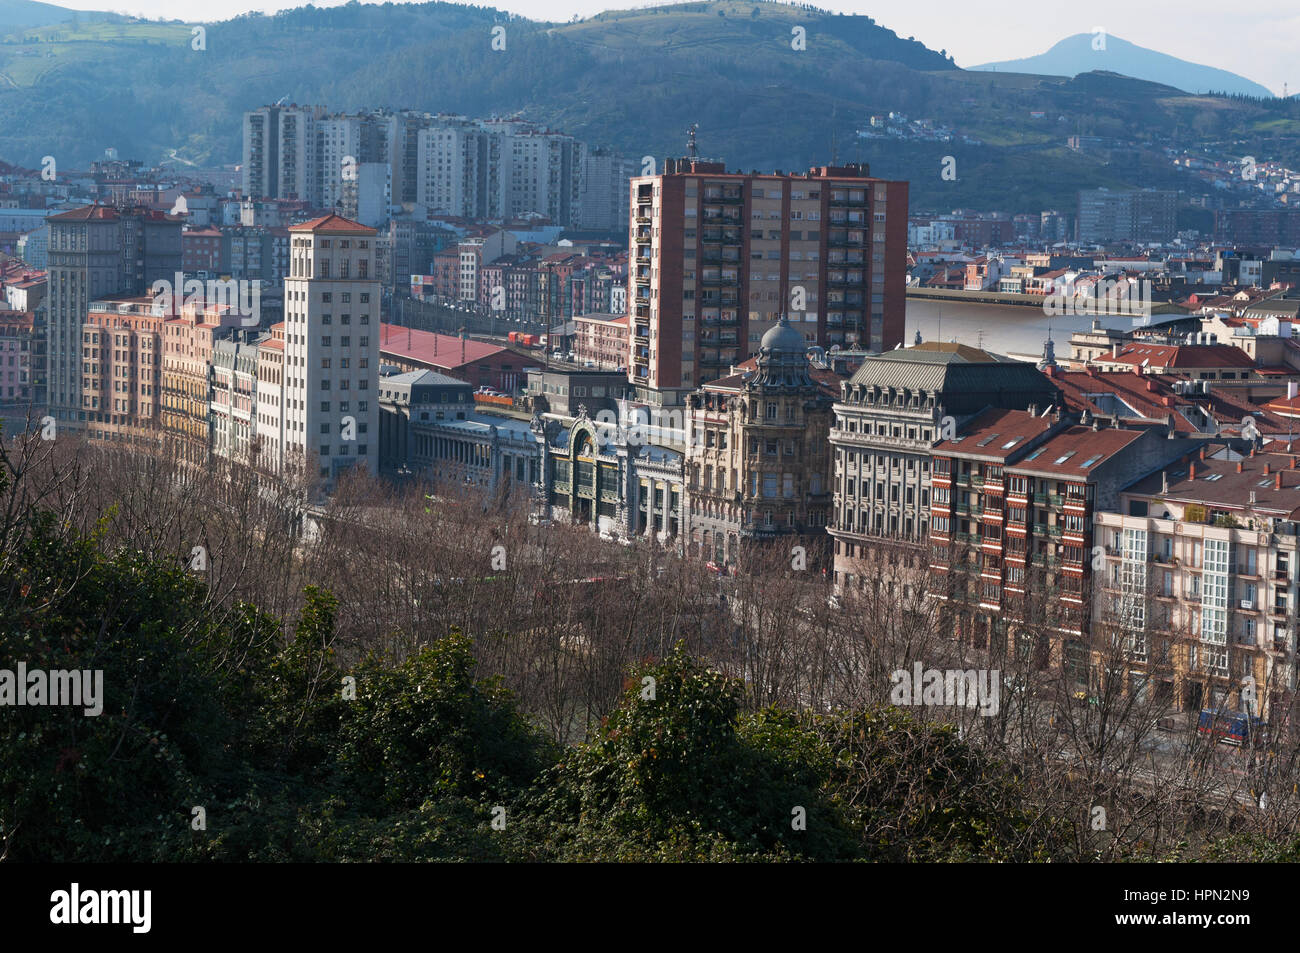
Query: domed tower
[(782, 359), (758, 462)]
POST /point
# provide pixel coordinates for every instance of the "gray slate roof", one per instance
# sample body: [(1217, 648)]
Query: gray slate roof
[(947, 368)]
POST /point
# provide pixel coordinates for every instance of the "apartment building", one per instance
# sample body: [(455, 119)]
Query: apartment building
[(97, 251), (758, 462), (281, 156), (345, 144), (601, 340), (186, 386), (605, 191), (890, 415), (1201, 575), (268, 404), (459, 169), (541, 171), (1011, 528), (121, 347), (18, 331), (232, 411), (718, 257), (1135, 215), (331, 350)]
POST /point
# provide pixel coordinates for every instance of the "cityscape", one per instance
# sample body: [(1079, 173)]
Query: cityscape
[(439, 469)]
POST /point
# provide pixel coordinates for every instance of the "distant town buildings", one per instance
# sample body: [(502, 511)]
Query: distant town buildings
[(1135, 215)]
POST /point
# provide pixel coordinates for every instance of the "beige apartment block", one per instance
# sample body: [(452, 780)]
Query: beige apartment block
[(1200, 578)]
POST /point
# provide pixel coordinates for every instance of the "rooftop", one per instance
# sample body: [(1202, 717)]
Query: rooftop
[(333, 225)]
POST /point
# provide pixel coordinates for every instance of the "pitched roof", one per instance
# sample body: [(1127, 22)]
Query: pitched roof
[(88, 213), (1076, 451), (1181, 355), (1228, 487), (333, 224), (934, 366), (440, 350), (996, 434)]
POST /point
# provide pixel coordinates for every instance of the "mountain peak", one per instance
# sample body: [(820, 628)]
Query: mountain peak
[(1089, 52)]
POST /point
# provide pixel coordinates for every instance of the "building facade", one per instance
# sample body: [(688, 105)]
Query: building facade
[(1201, 572), (718, 257), (890, 414), (331, 350), (95, 252), (758, 460)]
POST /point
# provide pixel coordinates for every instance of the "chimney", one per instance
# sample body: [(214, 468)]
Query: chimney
[(1114, 349), (1191, 472), (1252, 452), (1239, 467), (1267, 468), (1277, 480), (1201, 452)]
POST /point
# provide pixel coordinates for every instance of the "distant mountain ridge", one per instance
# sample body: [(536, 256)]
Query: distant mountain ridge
[(22, 14), (1078, 54), (771, 86)]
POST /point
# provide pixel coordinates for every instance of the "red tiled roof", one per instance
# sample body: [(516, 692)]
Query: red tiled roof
[(440, 350), (333, 224), (1083, 446), (88, 213), (1181, 355), (989, 433)]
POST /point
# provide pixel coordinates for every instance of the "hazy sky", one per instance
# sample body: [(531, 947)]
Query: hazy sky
[(1257, 40)]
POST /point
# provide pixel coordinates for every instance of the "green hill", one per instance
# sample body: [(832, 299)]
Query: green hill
[(634, 80)]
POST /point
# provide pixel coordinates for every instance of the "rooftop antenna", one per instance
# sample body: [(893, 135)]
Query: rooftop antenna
[(690, 141)]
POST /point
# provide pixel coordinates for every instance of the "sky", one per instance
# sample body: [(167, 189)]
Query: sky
[(1256, 40)]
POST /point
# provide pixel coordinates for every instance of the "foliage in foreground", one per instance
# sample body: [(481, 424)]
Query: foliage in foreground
[(291, 757)]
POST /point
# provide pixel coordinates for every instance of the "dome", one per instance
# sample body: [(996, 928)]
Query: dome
[(784, 338), (783, 358)]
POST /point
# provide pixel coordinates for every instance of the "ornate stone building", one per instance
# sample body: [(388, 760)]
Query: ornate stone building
[(597, 473), (758, 460)]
